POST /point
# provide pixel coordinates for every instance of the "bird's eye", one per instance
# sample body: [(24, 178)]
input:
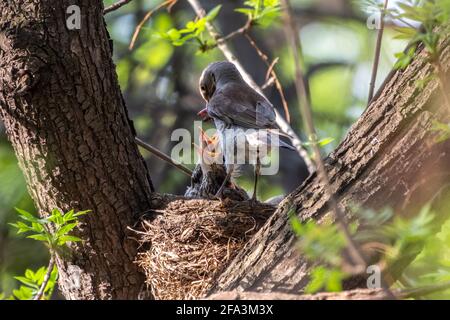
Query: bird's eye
[(203, 88)]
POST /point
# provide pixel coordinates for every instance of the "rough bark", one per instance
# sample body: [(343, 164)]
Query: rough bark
[(65, 117), (389, 158), (357, 294)]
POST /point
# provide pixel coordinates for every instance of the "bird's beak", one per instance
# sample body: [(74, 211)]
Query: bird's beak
[(204, 115)]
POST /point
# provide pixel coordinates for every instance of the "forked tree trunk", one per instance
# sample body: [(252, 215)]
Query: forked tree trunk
[(390, 157), (65, 117), (64, 114)]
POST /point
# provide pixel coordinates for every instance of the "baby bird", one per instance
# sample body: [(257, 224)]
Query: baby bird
[(209, 174), (244, 119)]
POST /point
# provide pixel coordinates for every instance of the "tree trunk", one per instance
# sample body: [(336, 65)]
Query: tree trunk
[(65, 117), (390, 157)]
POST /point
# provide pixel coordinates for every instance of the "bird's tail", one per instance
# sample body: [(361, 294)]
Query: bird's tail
[(286, 146), (279, 132)]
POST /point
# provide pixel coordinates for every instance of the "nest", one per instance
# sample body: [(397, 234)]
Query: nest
[(191, 241)]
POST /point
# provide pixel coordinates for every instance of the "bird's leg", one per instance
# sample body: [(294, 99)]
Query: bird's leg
[(257, 172), (230, 169)]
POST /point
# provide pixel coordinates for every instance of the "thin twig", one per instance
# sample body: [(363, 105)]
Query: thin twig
[(168, 3), (305, 109), (239, 31), (269, 82), (51, 265), (284, 126), (116, 6), (270, 69), (376, 61), (163, 156)]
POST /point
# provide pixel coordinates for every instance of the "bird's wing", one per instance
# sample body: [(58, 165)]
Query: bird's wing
[(242, 107)]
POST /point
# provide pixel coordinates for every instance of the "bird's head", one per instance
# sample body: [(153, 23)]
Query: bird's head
[(216, 74)]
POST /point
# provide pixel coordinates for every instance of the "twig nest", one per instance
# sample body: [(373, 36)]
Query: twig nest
[(191, 241)]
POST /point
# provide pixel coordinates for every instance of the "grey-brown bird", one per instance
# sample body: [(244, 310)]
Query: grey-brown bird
[(235, 108)]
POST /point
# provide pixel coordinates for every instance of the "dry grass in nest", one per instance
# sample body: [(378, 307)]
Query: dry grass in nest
[(191, 241)]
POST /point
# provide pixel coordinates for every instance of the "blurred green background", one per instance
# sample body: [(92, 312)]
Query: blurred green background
[(159, 84)]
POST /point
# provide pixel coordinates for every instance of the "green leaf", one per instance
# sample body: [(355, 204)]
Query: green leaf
[(404, 59), (213, 13), (66, 229), (29, 273), (325, 141), (271, 3), (27, 282), (80, 213), (174, 34), (296, 225), (23, 293), (68, 216), (39, 275), (317, 281), (37, 227), (26, 215), (62, 240), (22, 227), (334, 281), (244, 11), (38, 237), (406, 33), (57, 216)]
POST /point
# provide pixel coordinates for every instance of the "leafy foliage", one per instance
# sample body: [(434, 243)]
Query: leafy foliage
[(443, 129), (322, 244), (40, 228), (32, 281), (369, 6), (393, 237), (54, 232), (436, 253), (261, 12), (328, 278), (429, 14), (194, 30), (404, 58)]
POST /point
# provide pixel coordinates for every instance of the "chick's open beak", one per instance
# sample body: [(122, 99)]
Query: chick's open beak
[(208, 149), (204, 114)]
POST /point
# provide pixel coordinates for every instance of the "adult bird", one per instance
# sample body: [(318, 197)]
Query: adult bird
[(244, 119)]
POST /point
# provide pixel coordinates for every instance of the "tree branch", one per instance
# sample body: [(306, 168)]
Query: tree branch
[(163, 156), (356, 294), (377, 53), (51, 265), (239, 31), (168, 3), (271, 71), (116, 6)]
